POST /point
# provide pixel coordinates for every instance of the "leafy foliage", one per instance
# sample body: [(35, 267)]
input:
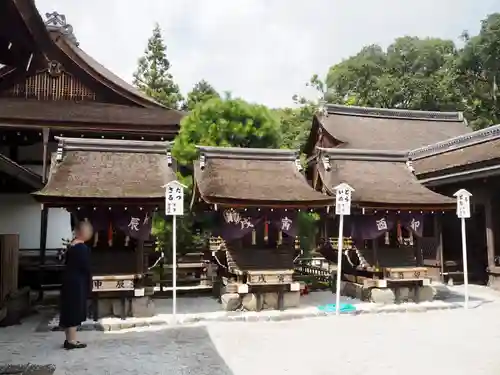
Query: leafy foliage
[(412, 73), (226, 122), (201, 92), (152, 75)]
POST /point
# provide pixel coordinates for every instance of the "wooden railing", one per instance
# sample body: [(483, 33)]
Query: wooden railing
[(304, 268)]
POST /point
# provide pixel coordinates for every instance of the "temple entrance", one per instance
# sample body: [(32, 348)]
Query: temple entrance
[(477, 255)]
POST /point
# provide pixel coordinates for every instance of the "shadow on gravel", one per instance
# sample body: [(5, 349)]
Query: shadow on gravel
[(179, 351)]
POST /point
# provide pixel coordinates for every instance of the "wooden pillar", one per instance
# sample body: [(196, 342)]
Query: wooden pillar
[(438, 235), (139, 259), (490, 233), (419, 256), (375, 252), (44, 217), (45, 161), (14, 153), (43, 248)]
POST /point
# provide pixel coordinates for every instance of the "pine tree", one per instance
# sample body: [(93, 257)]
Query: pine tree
[(152, 75), (201, 92)]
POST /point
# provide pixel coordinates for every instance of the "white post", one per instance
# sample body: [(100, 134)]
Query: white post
[(342, 207), (339, 264), (174, 206), (463, 212), (174, 268), (466, 271)]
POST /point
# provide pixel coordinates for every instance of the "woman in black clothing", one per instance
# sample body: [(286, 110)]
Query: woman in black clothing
[(76, 285)]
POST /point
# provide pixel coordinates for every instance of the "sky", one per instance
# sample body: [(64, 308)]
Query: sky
[(263, 51)]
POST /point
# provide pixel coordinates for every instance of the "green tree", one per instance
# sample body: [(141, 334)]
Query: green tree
[(201, 92), (226, 122), (153, 76), (477, 71), (409, 74)]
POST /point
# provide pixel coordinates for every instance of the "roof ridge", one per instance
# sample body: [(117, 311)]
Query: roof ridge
[(247, 153), (363, 154), (111, 145), (461, 141), (394, 113)]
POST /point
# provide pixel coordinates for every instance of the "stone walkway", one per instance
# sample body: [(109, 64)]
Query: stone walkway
[(433, 343), (208, 310)]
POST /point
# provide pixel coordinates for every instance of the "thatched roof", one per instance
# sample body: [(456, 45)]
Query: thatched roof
[(460, 153), (113, 169), (379, 178), (253, 177), (390, 129)]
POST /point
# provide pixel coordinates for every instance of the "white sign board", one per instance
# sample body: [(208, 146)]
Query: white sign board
[(174, 198), (112, 285), (463, 203), (343, 195)]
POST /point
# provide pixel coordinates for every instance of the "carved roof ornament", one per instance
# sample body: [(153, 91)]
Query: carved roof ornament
[(322, 108), (57, 22), (54, 68)]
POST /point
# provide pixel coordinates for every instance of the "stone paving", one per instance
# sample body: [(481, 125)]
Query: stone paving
[(208, 310), (433, 343)]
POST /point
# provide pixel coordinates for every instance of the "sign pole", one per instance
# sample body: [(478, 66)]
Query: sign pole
[(339, 264), (463, 212), (174, 268), (466, 271), (342, 207), (174, 206)]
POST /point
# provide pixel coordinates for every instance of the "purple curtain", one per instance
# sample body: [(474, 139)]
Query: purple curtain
[(134, 223), (99, 220), (235, 225), (370, 227), (413, 222), (286, 222)]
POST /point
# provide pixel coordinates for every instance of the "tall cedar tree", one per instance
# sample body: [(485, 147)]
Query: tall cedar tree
[(152, 75), (201, 92)]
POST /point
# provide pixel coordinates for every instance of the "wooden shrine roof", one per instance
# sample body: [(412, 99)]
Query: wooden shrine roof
[(385, 129), (465, 153), (112, 169), (88, 115), (379, 178), (30, 44), (253, 177), (18, 172)]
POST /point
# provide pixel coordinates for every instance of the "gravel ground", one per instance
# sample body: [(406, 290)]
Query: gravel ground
[(432, 343)]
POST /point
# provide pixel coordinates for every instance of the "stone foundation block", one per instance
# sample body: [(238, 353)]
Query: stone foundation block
[(249, 302), (353, 290), (424, 294), (143, 307), (269, 301), (384, 296), (105, 307), (404, 294), (291, 299), (230, 301)]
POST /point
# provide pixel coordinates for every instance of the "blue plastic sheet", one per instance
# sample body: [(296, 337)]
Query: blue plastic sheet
[(331, 307)]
